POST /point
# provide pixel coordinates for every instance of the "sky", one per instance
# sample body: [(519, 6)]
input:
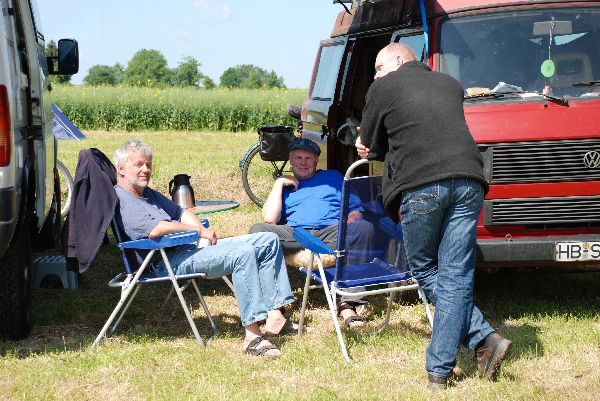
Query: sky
[(279, 35)]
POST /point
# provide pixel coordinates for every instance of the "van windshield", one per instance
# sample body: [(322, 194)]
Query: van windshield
[(525, 53)]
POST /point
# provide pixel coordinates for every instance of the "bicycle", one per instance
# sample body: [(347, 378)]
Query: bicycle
[(258, 174), (66, 187)]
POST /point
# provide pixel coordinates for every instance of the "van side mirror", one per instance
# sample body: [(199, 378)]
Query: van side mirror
[(67, 61)]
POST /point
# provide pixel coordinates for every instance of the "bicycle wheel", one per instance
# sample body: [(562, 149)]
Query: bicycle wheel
[(66, 187), (258, 175)]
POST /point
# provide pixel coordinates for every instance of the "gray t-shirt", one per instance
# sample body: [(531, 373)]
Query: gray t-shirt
[(139, 215)]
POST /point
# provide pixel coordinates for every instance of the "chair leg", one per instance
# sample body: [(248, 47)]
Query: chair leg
[(114, 327), (124, 295), (184, 306), (183, 287), (426, 304), (229, 283), (332, 310), (384, 325), (305, 295), (213, 325), (168, 297)]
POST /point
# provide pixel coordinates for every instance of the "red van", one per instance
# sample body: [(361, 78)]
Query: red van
[(531, 73)]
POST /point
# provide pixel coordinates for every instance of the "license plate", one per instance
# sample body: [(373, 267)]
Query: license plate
[(576, 251)]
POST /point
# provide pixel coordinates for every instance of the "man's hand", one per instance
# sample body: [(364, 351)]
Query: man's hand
[(209, 234), (288, 181), (354, 216), (362, 150)]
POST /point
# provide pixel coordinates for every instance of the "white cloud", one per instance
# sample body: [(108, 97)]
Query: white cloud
[(213, 12)]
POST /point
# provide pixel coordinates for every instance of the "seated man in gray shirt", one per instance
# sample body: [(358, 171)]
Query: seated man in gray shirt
[(255, 261)]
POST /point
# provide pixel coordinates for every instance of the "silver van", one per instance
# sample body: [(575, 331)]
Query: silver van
[(29, 189)]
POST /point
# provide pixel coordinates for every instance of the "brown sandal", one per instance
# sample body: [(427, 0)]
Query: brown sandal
[(347, 322), (254, 349)]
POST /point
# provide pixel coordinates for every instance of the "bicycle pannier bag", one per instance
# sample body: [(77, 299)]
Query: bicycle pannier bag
[(274, 142)]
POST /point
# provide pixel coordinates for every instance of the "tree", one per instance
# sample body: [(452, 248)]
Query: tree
[(187, 72), (147, 68), (250, 77), (208, 83), (52, 51), (104, 75)]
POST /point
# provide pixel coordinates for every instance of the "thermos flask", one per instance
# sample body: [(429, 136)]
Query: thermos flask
[(181, 191)]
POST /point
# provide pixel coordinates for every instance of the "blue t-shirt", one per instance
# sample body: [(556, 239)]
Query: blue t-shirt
[(139, 215), (317, 201)]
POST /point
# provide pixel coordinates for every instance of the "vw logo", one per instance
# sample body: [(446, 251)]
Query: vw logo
[(592, 159)]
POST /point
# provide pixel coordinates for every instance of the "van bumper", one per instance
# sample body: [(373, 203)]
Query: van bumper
[(531, 252)]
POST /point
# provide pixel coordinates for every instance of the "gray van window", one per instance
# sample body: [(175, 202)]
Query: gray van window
[(415, 41), (327, 72)]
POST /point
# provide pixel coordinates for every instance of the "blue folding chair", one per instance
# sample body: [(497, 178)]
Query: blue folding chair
[(380, 267), (136, 275)]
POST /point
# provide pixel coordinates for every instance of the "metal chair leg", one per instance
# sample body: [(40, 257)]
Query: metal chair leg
[(229, 283), (213, 325), (384, 325), (124, 296), (183, 287), (305, 294), (426, 304), (184, 306), (332, 309), (114, 327)]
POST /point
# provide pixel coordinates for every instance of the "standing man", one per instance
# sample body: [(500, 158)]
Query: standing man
[(312, 199), (433, 180)]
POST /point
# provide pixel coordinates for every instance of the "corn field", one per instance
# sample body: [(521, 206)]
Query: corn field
[(183, 109)]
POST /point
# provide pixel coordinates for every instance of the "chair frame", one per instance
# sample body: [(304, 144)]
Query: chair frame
[(130, 282), (316, 246)]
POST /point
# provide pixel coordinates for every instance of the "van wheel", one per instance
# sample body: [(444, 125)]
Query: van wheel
[(16, 287)]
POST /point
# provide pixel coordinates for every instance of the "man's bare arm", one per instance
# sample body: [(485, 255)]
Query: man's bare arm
[(189, 222), (271, 211)]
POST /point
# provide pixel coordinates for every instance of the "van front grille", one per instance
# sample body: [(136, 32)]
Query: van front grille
[(542, 161), (555, 210)]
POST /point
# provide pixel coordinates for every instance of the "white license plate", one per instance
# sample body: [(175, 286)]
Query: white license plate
[(575, 251)]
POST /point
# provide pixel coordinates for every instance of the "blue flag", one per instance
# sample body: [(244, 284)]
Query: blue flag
[(62, 127)]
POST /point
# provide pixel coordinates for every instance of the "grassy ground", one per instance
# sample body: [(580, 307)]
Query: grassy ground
[(553, 319)]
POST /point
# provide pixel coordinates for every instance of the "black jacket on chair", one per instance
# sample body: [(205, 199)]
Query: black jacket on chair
[(92, 208)]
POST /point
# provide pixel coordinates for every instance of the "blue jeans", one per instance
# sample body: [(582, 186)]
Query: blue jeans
[(439, 224), (256, 264)]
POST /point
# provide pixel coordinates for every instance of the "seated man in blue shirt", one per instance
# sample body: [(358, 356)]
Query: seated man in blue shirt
[(311, 199), (255, 261)]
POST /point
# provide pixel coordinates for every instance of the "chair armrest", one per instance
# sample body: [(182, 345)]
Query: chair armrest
[(174, 239), (311, 242)]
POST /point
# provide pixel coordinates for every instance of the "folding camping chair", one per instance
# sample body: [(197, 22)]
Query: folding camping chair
[(382, 268), (136, 275)]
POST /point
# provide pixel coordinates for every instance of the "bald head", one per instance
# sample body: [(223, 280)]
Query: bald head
[(391, 57)]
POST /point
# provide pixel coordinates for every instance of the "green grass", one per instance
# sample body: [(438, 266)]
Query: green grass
[(183, 109), (553, 319)]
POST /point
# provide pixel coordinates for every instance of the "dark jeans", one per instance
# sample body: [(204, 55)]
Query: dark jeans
[(439, 222), (359, 235), (286, 235)]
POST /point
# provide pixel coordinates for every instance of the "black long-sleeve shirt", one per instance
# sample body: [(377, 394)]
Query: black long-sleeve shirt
[(414, 121)]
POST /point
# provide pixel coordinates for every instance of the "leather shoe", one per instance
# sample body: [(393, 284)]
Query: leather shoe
[(436, 382), (491, 354), (442, 382)]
